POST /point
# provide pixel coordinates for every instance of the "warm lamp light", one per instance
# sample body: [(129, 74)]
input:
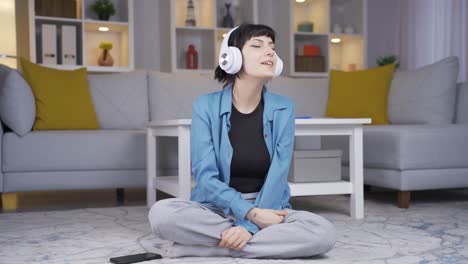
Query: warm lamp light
[(335, 40), (103, 29), (300, 1)]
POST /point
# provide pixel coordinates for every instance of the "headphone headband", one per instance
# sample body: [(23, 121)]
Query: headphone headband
[(226, 38)]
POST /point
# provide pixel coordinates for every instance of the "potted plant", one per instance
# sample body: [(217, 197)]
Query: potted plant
[(384, 60), (104, 9), (105, 59)]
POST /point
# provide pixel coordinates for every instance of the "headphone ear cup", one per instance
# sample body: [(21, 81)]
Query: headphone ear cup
[(236, 61), (279, 66), (225, 58)]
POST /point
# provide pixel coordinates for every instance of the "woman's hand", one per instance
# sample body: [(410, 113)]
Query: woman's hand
[(235, 238), (266, 217)]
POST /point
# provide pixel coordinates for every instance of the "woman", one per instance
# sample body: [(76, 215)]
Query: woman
[(242, 141)]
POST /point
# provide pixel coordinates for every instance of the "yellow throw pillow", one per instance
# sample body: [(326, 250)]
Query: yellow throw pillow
[(63, 99), (360, 94)]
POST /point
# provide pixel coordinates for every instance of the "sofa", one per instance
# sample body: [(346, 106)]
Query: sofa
[(113, 156), (402, 157), (425, 146)]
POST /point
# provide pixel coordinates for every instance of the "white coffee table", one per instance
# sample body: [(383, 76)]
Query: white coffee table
[(182, 184)]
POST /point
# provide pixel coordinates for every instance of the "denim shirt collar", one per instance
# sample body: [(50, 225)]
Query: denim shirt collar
[(270, 103)]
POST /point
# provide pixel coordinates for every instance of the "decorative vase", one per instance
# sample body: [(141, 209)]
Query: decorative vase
[(349, 29), (228, 21), (337, 29), (191, 58), (103, 16), (105, 59), (305, 27), (190, 19), (352, 67)]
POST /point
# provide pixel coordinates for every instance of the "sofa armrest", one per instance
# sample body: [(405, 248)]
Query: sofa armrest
[(461, 108)]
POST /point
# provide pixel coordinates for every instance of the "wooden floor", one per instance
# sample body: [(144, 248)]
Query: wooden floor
[(60, 200)]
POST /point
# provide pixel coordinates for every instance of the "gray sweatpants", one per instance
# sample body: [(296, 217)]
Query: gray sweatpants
[(195, 230)]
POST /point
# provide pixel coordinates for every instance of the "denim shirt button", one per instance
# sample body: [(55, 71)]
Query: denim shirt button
[(266, 135)]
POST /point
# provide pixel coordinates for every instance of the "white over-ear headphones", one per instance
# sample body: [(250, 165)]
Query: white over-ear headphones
[(230, 58)]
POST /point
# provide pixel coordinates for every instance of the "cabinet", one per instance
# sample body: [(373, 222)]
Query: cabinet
[(335, 30), (66, 34), (206, 35)]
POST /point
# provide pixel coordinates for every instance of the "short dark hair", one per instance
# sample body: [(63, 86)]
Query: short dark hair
[(238, 38)]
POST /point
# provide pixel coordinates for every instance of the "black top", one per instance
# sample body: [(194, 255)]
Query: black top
[(250, 159)]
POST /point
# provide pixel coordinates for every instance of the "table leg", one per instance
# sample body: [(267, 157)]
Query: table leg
[(185, 175), (151, 147), (356, 173)]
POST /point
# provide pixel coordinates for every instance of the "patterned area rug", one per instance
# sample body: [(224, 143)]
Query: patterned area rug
[(433, 230)]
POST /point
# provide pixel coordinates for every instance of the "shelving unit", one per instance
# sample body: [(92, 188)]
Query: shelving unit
[(73, 35), (284, 16), (349, 54), (206, 35), (352, 49)]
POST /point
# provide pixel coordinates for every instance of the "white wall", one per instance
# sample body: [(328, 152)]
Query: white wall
[(265, 12), (8, 31), (147, 34), (382, 29)]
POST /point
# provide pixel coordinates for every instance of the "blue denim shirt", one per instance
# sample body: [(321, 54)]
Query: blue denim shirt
[(211, 154)]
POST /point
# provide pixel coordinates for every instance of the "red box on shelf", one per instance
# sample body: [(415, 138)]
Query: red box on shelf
[(311, 50)]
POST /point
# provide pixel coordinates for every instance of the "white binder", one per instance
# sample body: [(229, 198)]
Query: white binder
[(49, 44), (68, 45)]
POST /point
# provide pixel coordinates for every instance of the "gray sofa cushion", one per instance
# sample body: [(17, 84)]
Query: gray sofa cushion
[(120, 100), (309, 94), (407, 147), (69, 150), (172, 95), (461, 116), (17, 105), (425, 95)]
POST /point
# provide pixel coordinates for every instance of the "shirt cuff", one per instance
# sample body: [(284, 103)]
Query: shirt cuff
[(248, 225), (240, 207)]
